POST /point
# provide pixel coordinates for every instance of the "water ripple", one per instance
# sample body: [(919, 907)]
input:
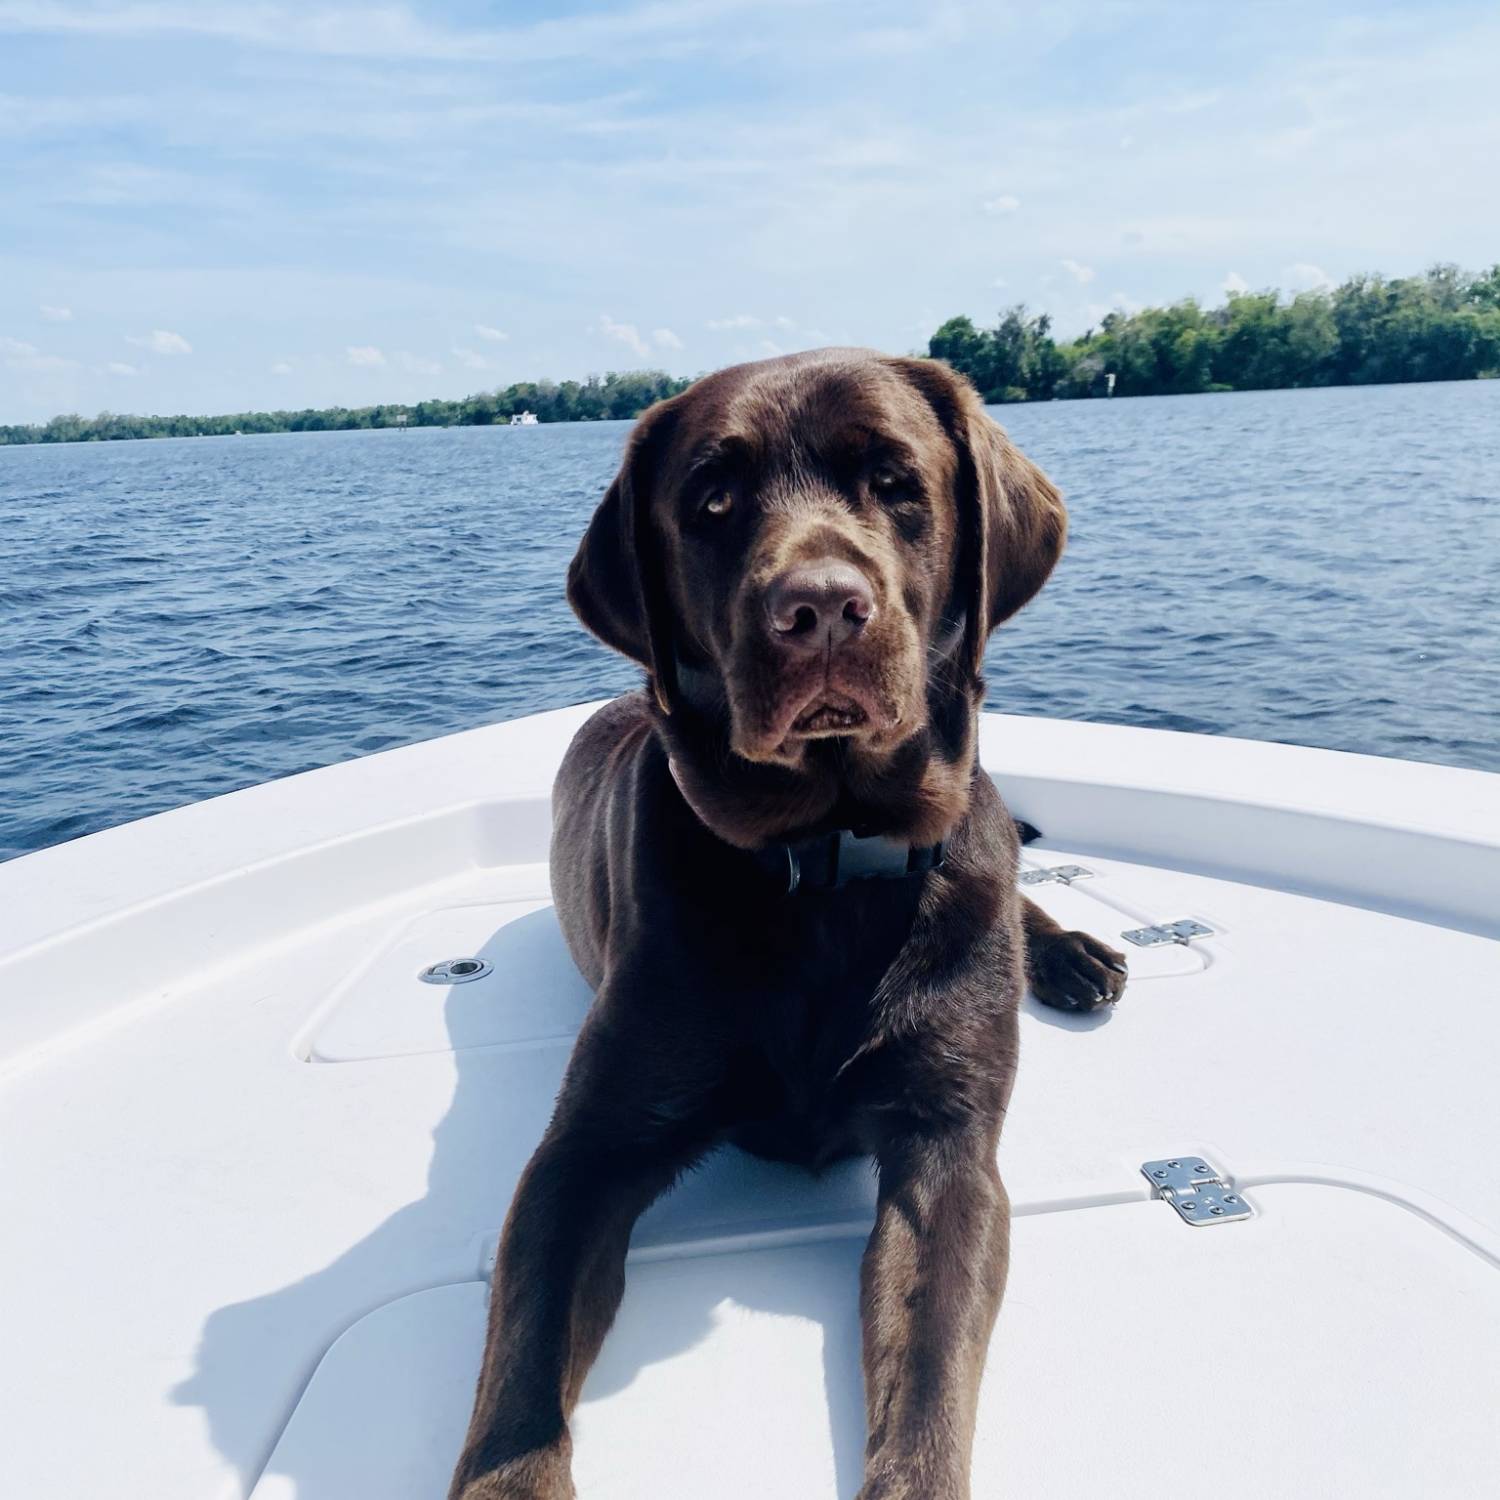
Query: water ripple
[(180, 618)]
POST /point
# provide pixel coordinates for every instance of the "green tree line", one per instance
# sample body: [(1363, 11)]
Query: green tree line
[(1444, 325), (598, 398)]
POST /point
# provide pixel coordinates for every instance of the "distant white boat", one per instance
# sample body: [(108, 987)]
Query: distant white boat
[(255, 1158), (524, 419)]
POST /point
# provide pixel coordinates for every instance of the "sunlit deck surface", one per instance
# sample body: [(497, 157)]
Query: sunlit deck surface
[(253, 1167)]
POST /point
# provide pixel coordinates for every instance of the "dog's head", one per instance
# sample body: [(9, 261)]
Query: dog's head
[(825, 541)]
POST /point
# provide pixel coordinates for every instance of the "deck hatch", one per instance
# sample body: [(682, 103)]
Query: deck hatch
[(508, 981), (735, 1373)]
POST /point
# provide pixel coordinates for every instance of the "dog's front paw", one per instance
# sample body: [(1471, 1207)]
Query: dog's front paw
[(886, 1487), (1077, 972), (542, 1475), (898, 1483), (504, 1486)]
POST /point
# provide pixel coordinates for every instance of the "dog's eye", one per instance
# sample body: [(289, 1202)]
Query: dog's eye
[(717, 503), (888, 483)]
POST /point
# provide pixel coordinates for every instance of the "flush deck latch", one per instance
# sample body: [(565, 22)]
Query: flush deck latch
[(1162, 933), (1196, 1189), (455, 971), (1054, 874)]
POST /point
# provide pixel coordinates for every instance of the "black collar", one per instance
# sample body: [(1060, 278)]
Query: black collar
[(827, 861)]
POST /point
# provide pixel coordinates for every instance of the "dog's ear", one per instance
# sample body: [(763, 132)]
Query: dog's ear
[(616, 581), (1012, 522)]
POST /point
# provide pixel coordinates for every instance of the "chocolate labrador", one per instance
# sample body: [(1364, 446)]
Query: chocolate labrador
[(790, 882)]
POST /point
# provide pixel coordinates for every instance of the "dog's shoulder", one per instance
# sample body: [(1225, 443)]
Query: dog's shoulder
[(611, 746)]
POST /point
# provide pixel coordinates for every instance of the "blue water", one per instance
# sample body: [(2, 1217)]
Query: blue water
[(180, 618)]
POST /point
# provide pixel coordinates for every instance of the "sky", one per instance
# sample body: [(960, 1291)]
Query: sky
[(219, 207)]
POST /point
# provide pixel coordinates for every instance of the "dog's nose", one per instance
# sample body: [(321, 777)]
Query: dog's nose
[(819, 605)]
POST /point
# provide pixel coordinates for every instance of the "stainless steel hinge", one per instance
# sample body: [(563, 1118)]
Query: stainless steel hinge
[(1183, 931), (1196, 1189), (1060, 874)]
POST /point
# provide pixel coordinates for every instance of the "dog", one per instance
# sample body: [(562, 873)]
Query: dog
[(790, 883)]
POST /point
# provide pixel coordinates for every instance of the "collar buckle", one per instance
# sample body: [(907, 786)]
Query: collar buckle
[(831, 860)]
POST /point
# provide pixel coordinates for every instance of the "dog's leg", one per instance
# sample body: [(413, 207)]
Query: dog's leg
[(930, 1286), (1069, 970), (614, 1145)]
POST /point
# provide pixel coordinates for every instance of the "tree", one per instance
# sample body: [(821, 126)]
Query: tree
[(1017, 360), (960, 344), (1442, 325)]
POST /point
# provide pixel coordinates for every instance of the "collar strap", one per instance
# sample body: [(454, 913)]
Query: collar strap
[(830, 860)]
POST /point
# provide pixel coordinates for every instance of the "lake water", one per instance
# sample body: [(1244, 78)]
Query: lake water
[(180, 618)]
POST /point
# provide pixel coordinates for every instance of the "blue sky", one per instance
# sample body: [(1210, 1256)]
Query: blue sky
[(211, 207)]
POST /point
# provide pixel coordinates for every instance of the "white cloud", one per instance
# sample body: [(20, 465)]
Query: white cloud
[(56, 314), (798, 336), (1190, 103), (34, 114), (1126, 142), (281, 367), (398, 32), (1306, 277), (664, 338), (470, 360), (1233, 284), (627, 333), (1080, 273), (365, 355), (1006, 203), (494, 335), (160, 341), (119, 367), (19, 355), (1092, 314), (1000, 281), (418, 364)]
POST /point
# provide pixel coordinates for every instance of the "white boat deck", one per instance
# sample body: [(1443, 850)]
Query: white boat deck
[(252, 1168)]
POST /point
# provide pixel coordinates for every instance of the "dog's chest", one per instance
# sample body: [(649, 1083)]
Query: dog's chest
[(820, 979)]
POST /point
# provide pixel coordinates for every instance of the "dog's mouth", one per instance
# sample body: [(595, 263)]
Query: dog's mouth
[(829, 713), (803, 702)]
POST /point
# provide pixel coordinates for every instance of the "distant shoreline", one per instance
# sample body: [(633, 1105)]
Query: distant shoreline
[(1371, 385), (615, 396), (1439, 327)]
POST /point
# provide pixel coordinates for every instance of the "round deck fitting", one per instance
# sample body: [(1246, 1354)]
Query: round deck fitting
[(455, 971)]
